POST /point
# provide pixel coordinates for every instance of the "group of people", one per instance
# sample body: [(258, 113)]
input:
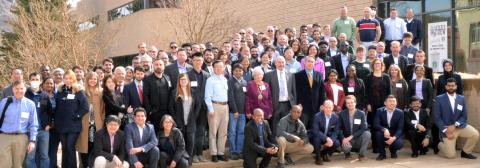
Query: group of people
[(272, 94)]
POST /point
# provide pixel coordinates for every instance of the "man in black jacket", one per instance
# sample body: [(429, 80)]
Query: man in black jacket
[(258, 142), (106, 154), (417, 125), (236, 105)]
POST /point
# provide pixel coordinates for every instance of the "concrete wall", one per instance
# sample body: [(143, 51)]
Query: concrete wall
[(472, 95)]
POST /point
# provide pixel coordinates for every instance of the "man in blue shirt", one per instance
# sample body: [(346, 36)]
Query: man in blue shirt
[(216, 98), (20, 117)]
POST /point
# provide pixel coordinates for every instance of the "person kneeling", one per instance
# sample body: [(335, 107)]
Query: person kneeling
[(171, 145), (325, 130), (389, 123), (141, 141), (417, 123), (106, 154), (257, 142), (292, 136), (354, 133)]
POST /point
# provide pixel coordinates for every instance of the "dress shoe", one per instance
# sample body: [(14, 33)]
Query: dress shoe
[(318, 160), (234, 156), (435, 150), (423, 153), (325, 158), (394, 155), (361, 157), (348, 155), (214, 158), (381, 157), (289, 160), (280, 165), (467, 155), (414, 155), (223, 158)]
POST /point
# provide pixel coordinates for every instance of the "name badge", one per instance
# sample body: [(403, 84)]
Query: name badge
[(414, 122), (193, 83), (398, 85), (244, 89), (262, 87), (357, 121), (340, 88), (38, 105), (292, 70), (351, 89), (410, 55), (327, 64), (70, 96), (459, 107), (366, 65), (24, 115), (346, 22), (169, 84)]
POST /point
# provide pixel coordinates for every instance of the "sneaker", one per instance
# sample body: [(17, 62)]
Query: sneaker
[(195, 159)]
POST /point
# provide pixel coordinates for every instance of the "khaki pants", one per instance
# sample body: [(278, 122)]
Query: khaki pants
[(447, 147), (102, 162), (292, 148), (218, 129), (12, 150)]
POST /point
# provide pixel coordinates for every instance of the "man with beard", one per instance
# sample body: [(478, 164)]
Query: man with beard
[(208, 57), (450, 113), (254, 57), (156, 92), (323, 45)]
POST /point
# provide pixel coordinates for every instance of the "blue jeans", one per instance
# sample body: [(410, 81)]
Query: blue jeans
[(40, 153), (236, 129)]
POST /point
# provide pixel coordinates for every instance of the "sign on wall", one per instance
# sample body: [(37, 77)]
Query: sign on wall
[(437, 45)]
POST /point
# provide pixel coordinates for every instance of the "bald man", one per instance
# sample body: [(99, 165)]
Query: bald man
[(325, 130), (258, 142)]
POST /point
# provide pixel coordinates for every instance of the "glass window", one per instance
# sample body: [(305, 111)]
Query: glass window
[(467, 46), (125, 10), (438, 17), (163, 3), (434, 5), (403, 6), (466, 3)]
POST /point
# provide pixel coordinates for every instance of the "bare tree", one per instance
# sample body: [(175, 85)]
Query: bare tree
[(45, 33), (201, 21)]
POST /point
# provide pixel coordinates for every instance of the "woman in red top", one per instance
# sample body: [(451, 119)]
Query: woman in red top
[(258, 95), (334, 90)]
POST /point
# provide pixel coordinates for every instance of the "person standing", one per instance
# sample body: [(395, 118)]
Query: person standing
[(415, 27), (216, 98), (236, 104), (395, 27), (178, 67), (450, 113), (368, 29), (344, 24), (18, 116)]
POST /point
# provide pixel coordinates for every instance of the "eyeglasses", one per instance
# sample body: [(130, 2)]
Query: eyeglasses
[(241, 33), (270, 30), (172, 47)]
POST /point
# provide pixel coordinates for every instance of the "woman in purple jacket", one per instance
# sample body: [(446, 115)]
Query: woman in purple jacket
[(258, 95)]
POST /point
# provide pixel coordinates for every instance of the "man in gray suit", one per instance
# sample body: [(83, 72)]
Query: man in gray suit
[(178, 67), (141, 141), (282, 87)]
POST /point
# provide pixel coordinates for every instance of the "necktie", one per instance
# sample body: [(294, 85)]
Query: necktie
[(310, 79), (140, 92), (282, 84)]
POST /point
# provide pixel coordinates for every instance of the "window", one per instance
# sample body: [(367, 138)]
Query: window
[(466, 3), (435, 5), (91, 23), (163, 3), (125, 10), (467, 46)]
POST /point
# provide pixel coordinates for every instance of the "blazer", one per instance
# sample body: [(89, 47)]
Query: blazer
[(272, 79), (172, 71), (71, 105), (176, 109), (133, 139), (358, 91), (396, 122), (402, 63), (252, 102), (200, 93), (177, 141), (411, 120), (329, 54), (427, 92), (131, 96), (237, 95), (444, 116), (319, 127), (358, 127), (337, 61), (340, 97), (153, 93), (111, 106), (411, 69), (312, 97), (252, 139), (415, 27), (102, 145)]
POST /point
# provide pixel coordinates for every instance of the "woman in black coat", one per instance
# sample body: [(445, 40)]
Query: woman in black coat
[(352, 85), (449, 72), (171, 145), (111, 98), (185, 109)]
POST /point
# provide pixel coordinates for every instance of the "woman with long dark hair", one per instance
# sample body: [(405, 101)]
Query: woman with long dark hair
[(171, 144), (111, 97)]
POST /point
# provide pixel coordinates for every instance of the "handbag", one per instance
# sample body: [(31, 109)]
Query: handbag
[(91, 126)]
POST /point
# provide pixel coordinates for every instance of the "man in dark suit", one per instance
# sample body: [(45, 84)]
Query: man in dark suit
[(332, 47), (396, 58), (325, 131), (389, 123), (342, 60), (258, 142), (353, 135), (419, 61), (156, 93), (417, 125), (105, 153), (323, 54), (133, 92), (450, 113), (309, 84), (198, 79), (415, 27), (282, 89), (425, 86), (141, 141), (178, 67)]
